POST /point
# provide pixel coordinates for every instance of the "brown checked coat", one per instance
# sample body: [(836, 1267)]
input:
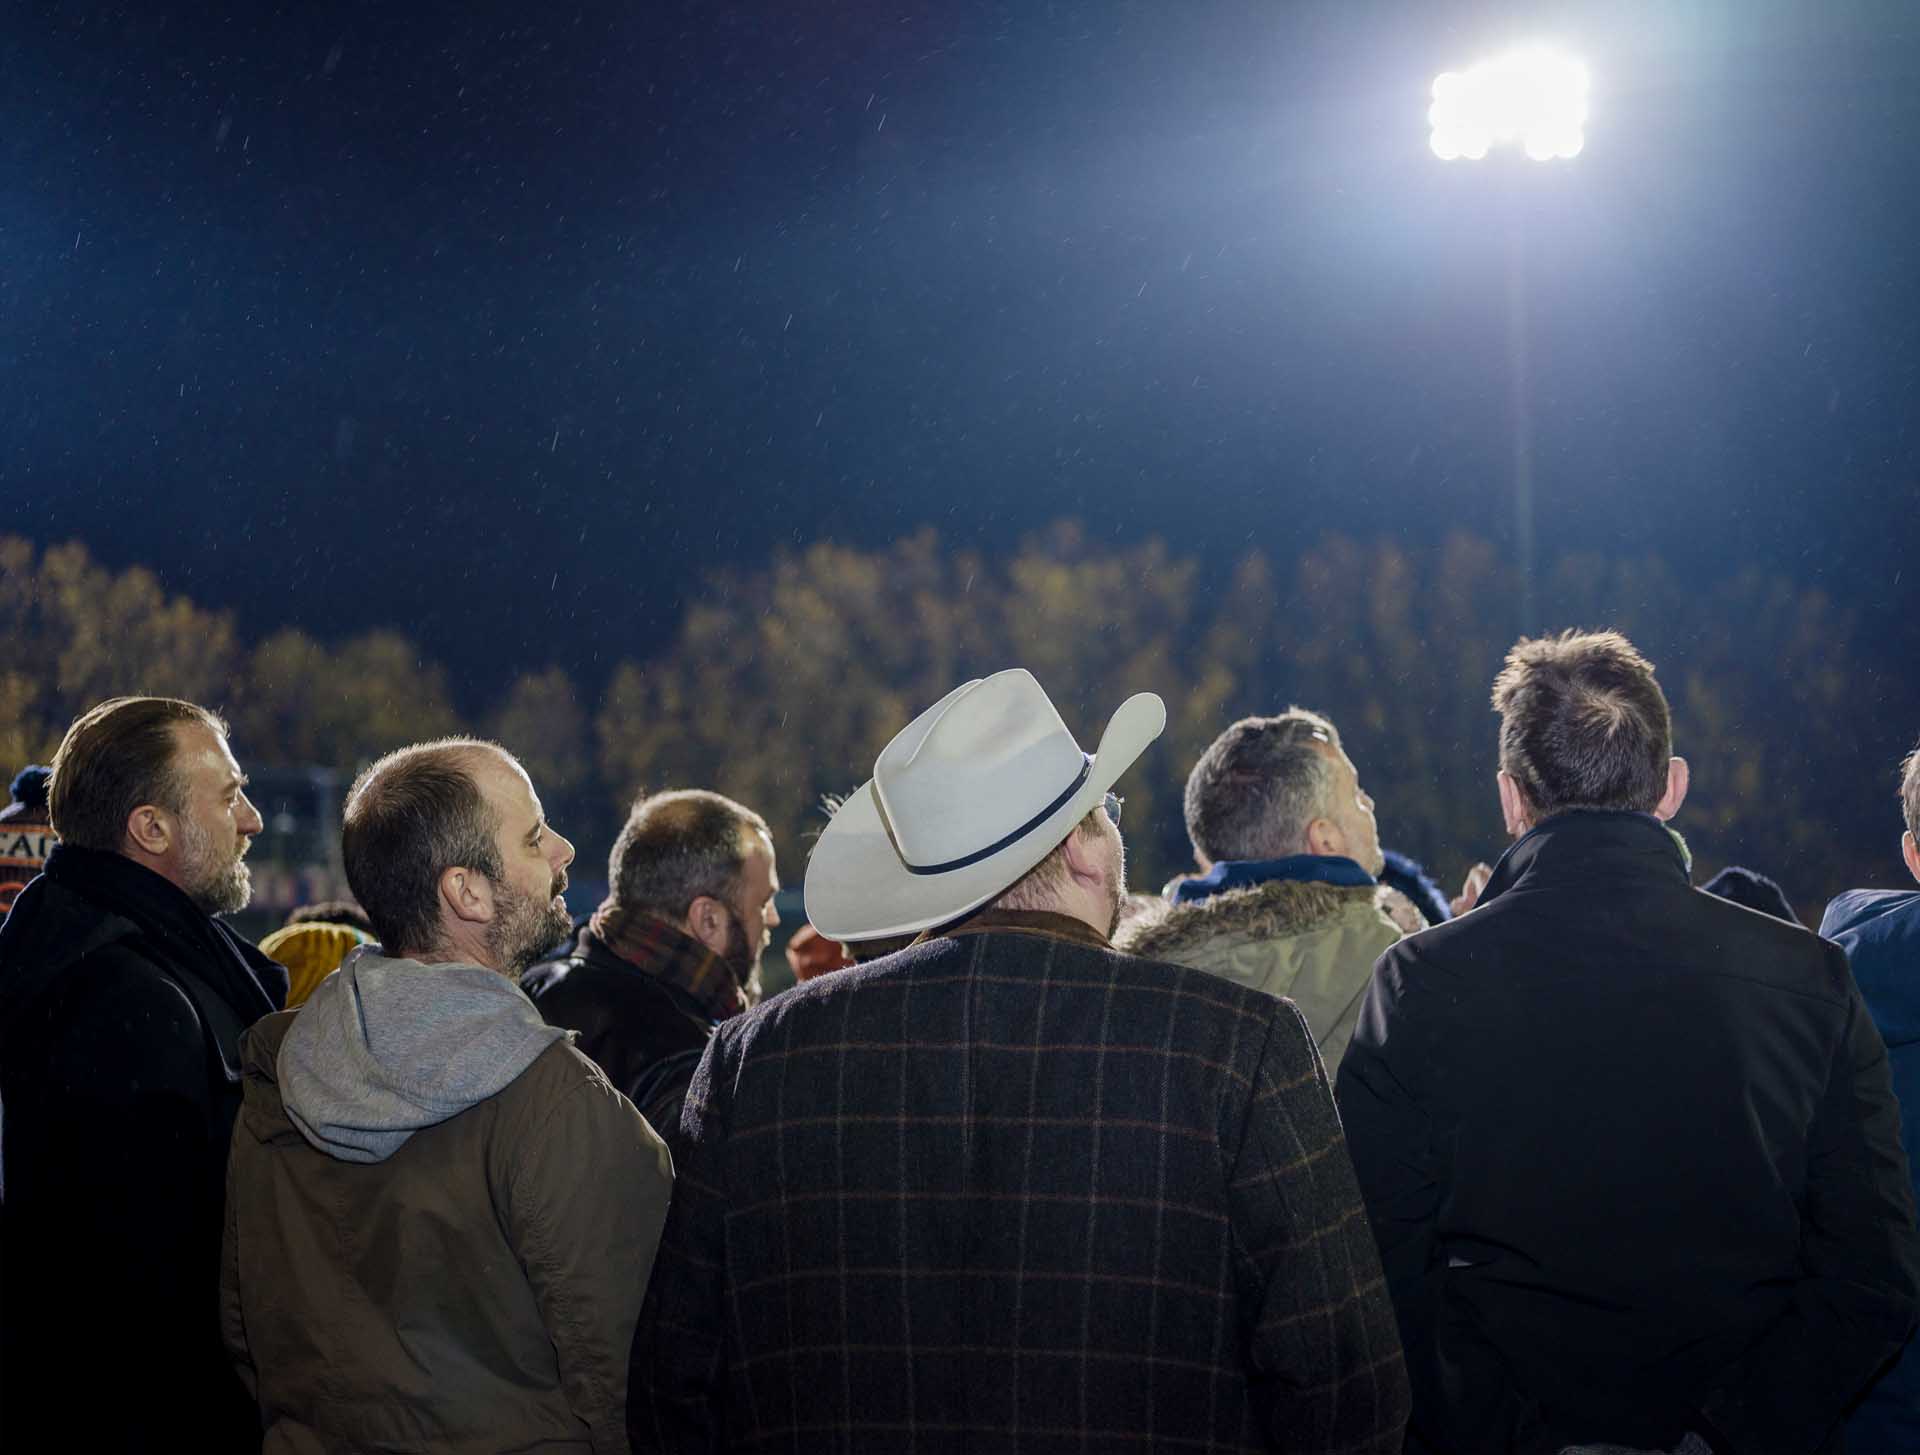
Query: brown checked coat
[(1012, 1190)]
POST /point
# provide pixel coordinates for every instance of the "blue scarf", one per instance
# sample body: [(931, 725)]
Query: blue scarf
[(1245, 873)]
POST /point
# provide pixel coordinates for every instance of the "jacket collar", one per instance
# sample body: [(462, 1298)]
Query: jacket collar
[(1245, 873), (1590, 846), (1044, 923), (179, 929)]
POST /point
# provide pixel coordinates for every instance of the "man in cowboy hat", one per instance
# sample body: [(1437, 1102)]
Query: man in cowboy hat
[(1008, 1188)]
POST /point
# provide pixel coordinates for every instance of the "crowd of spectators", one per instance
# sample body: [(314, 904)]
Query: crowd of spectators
[(1302, 1153)]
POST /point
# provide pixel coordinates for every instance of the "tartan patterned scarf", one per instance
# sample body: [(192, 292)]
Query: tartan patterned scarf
[(650, 944)]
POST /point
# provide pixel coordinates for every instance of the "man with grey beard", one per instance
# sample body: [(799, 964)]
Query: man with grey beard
[(122, 1002), (440, 1215)]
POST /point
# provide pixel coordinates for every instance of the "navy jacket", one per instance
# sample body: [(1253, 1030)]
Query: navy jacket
[(1880, 931), (1633, 1160)]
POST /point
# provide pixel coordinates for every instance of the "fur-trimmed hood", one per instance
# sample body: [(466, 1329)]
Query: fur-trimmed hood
[(1270, 911), (1312, 942)]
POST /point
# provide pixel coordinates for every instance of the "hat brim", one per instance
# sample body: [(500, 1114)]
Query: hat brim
[(858, 889)]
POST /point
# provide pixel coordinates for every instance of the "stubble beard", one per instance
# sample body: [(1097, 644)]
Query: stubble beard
[(217, 884), (524, 928)]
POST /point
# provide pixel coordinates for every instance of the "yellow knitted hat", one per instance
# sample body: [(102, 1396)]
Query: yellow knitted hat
[(311, 952)]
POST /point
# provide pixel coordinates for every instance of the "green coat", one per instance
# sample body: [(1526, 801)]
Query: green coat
[(1313, 943), (476, 1291)]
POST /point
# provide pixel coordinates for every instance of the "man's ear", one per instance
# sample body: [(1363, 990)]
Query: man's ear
[(708, 922), (1085, 864), (1678, 776), (149, 830), (467, 894), (1910, 851), (1515, 807), (1324, 838)]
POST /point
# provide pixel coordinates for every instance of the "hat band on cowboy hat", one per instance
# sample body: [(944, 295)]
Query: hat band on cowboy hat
[(1086, 772), (983, 766)]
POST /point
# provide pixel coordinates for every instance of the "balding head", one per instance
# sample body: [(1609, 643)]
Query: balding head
[(409, 818)]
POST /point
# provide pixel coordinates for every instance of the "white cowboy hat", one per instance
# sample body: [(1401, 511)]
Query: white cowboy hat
[(966, 799)]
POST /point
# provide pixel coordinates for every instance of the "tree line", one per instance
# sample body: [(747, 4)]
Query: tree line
[(782, 682)]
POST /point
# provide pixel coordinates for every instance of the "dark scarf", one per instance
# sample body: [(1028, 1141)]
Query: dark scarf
[(651, 944), (183, 939), (1231, 874)]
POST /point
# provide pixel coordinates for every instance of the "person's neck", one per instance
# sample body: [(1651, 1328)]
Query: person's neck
[(453, 952)]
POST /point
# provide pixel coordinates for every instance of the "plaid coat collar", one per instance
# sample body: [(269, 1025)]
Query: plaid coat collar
[(1027, 922), (657, 948)]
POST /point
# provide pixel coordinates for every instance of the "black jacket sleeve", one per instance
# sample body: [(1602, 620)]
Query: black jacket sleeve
[(1860, 1294)]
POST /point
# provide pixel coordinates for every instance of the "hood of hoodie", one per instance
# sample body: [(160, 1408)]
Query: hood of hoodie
[(386, 1047)]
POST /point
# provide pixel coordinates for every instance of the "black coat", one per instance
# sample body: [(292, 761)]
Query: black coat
[(1632, 1158), (645, 1034), (1009, 1190), (121, 1008)]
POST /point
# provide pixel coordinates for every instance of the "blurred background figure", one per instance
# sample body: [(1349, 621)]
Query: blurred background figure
[(26, 838), (1880, 931), (313, 942), (812, 954), (1754, 890)]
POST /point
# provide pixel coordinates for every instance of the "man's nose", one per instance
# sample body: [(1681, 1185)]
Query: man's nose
[(250, 821), (566, 851)]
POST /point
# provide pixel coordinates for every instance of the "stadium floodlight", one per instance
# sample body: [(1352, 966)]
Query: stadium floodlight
[(1533, 97)]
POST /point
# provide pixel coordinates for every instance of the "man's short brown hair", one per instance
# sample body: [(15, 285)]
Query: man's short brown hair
[(116, 757), (678, 846), (1910, 791), (1583, 724), (412, 816)]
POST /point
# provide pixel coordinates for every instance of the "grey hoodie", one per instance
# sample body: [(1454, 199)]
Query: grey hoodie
[(386, 1047)]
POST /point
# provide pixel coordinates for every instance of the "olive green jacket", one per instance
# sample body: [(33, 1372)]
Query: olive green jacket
[(475, 1291), (1313, 943)]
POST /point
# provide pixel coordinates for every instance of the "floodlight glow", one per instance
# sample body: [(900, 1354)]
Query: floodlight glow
[(1535, 98)]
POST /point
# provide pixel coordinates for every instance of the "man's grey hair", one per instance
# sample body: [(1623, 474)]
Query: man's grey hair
[(1258, 786), (1910, 791)]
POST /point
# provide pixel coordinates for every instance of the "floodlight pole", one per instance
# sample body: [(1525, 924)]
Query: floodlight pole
[(1519, 399)]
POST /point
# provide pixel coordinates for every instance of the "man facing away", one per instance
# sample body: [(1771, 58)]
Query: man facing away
[(1290, 904), (440, 1214), (1880, 931), (122, 1001), (1008, 1189), (1629, 1150), (667, 956)]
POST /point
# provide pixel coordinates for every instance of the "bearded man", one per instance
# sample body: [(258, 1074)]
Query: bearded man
[(668, 956), (122, 1002), (441, 1216)]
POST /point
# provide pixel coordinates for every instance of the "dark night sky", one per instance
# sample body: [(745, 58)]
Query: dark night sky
[(494, 322)]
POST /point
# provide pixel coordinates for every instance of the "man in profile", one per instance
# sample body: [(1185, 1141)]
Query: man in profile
[(1290, 902), (668, 955), (123, 997), (1008, 1189), (441, 1215), (1880, 931), (1629, 1150)]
